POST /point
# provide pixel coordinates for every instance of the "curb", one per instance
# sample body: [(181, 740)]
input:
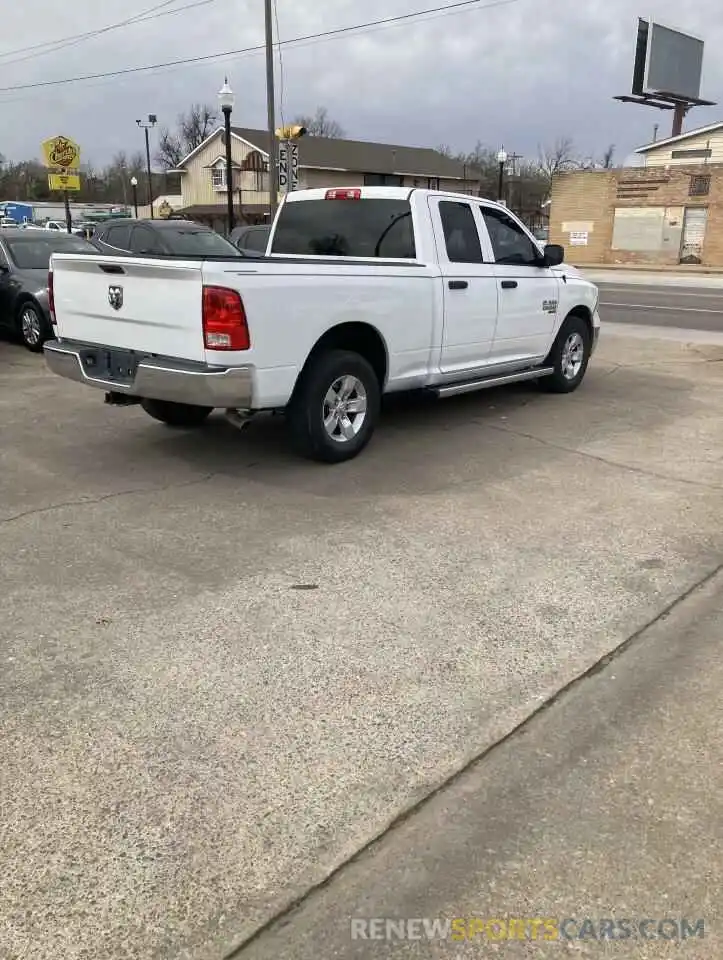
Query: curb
[(650, 268)]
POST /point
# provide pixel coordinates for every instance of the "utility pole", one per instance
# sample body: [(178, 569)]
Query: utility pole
[(271, 111), (147, 125)]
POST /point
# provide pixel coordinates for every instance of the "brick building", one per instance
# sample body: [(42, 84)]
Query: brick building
[(648, 215)]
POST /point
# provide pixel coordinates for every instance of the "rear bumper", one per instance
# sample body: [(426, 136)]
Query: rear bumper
[(161, 379)]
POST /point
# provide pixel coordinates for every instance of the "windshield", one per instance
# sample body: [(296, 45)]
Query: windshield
[(33, 252), (190, 241), (346, 228)]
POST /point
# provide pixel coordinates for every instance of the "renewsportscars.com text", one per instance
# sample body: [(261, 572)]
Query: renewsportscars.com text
[(526, 928)]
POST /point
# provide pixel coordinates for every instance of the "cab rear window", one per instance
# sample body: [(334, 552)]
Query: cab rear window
[(373, 228)]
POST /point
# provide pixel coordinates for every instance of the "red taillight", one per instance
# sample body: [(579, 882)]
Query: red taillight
[(224, 320), (343, 193), (51, 298)]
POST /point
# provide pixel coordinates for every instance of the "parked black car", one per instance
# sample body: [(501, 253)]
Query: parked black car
[(162, 238), (252, 238), (24, 262)]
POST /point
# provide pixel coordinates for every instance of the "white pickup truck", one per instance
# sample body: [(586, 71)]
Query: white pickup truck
[(362, 291)]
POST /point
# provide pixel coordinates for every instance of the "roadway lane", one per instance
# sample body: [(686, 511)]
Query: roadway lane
[(699, 308)]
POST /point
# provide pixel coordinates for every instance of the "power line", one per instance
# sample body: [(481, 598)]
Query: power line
[(458, 7), (52, 46)]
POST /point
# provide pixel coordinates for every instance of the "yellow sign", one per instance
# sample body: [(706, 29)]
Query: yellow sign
[(61, 152), (64, 181)]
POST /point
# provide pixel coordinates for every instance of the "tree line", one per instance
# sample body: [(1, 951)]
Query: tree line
[(527, 181)]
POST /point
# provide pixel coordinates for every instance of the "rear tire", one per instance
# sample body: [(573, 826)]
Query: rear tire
[(176, 414), (569, 356), (335, 407)]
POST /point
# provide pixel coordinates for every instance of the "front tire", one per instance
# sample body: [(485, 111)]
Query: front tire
[(569, 356), (335, 407), (33, 328), (176, 414)]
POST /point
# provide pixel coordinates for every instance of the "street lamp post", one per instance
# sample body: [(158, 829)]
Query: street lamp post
[(147, 125), (226, 101), (134, 185), (501, 160)]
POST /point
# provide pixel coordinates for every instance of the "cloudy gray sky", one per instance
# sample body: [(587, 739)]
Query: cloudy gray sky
[(521, 73)]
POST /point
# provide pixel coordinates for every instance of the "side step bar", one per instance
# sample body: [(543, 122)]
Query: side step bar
[(469, 386)]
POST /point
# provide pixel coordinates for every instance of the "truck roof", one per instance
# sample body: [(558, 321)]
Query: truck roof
[(378, 193)]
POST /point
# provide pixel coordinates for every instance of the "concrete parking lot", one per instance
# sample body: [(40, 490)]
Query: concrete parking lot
[(226, 670)]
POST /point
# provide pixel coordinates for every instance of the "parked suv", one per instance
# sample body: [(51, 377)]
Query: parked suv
[(161, 238)]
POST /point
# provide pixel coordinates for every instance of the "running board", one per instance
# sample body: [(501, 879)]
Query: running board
[(469, 386)]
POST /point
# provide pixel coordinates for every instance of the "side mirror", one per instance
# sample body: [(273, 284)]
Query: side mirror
[(554, 255)]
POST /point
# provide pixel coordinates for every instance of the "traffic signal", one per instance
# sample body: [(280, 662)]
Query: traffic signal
[(290, 133)]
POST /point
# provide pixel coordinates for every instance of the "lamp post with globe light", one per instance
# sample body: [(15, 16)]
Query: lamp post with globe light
[(501, 160), (134, 185), (226, 102)]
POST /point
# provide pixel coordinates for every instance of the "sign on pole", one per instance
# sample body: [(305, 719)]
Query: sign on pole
[(288, 166), (283, 167), (294, 171), (61, 153), (62, 156), (64, 181)]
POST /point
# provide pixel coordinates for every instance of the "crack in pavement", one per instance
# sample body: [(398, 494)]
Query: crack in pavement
[(283, 914), (643, 471), (106, 496)]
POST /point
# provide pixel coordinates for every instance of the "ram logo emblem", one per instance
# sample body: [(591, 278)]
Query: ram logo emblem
[(115, 297)]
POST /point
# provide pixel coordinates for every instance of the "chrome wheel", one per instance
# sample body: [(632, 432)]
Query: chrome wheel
[(345, 408), (30, 326), (573, 355)]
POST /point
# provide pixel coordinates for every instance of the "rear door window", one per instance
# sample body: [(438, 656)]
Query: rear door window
[(461, 237), (145, 241), (119, 235), (373, 228)]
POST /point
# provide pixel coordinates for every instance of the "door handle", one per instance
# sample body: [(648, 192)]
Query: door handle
[(458, 284), (508, 284)]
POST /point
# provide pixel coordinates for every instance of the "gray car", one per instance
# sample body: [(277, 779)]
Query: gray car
[(24, 263)]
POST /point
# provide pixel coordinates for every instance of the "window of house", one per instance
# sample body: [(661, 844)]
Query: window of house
[(699, 187), (461, 237), (218, 176), (383, 180), (702, 154), (510, 243)]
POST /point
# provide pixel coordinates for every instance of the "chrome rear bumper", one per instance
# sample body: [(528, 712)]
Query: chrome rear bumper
[(159, 379)]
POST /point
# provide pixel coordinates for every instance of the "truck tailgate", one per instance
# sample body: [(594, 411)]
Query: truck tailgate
[(150, 306)]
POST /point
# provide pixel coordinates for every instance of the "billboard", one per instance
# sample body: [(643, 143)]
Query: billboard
[(667, 61)]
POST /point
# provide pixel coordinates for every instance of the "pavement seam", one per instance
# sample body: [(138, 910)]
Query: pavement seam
[(519, 729), (106, 496), (598, 459)]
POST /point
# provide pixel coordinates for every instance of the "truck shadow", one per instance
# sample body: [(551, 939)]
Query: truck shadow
[(423, 444)]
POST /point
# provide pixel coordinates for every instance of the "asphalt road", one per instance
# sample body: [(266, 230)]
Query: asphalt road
[(225, 671), (686, 308)]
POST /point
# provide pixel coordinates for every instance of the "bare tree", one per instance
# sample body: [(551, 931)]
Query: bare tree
[(192, 128), (321, 125), (607, 159), (559, 157), (170, 150)]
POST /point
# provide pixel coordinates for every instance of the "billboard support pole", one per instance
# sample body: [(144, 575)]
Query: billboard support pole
[(679, 112)]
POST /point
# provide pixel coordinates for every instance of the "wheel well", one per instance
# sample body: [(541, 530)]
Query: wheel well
[(361, 338), (20, 302), (584, 314)]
